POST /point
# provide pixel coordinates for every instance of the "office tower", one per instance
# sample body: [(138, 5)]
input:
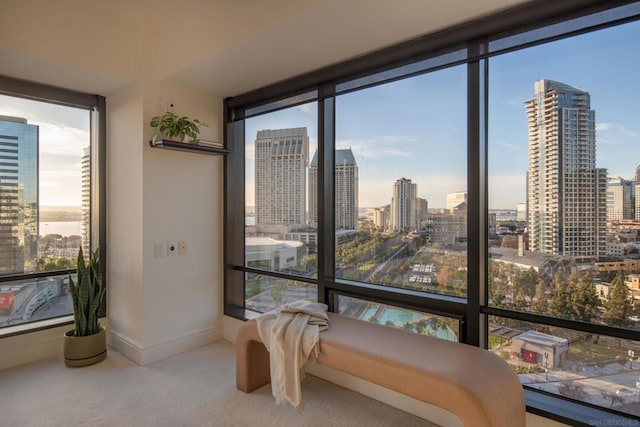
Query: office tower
[(566, 192), (620, 199), (282, 157), (403, 204), (86, 200), (454, 199), (346, 190), (637, 194), (18, 195), (422, 213)]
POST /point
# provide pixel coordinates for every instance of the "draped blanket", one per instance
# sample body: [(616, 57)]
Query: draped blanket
[(291, 333)]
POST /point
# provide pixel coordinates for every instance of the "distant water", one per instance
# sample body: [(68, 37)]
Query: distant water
[(64, 228)]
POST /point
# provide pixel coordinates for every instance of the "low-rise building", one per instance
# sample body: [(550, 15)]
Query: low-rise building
[(542, 349)]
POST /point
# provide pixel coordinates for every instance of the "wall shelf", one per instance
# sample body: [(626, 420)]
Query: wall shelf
[(185, 146)]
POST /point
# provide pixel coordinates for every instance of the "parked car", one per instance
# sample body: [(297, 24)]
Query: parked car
[(625, 392)]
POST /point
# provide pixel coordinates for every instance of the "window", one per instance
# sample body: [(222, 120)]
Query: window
[(563, 145), (49, 198), (483, 184), (400, 185), (280, 224)]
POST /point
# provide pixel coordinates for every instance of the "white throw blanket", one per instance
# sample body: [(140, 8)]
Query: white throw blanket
[(291, 333)]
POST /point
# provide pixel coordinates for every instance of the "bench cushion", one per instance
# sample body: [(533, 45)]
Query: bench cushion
[(472, 383)]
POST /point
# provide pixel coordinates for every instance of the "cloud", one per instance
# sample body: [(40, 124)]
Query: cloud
[(507, 145), (305, 108), (375, 148), (616, 134)]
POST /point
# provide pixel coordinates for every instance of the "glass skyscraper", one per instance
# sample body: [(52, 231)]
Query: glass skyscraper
[(346, 190), (18, 195)]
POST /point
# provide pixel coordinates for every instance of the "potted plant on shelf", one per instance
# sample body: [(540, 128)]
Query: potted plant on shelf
[(176, 128), (86, 344)]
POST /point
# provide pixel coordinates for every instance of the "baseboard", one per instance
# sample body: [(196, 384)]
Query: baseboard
[(125, 346), (154, 353)]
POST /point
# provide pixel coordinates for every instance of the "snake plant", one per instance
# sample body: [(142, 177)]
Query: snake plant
[(87, 294)]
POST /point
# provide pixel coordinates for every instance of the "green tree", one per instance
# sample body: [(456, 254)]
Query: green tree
[(584, 299), (540, 304), (618, 306), (276, 293), (53, 264), (560, 300)]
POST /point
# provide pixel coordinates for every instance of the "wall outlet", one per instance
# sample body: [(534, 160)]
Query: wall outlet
[(160, 249), (172, 248), (182, 247)]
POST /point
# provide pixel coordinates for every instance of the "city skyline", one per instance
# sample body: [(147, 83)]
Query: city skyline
[(386, 128), (64, 132)]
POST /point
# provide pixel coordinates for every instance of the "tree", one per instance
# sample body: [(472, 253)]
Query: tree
[(560, 300), (574, 297), (56, 264), (572, 390), (276, 293), (584, 299), (618, 306), (540, 304)]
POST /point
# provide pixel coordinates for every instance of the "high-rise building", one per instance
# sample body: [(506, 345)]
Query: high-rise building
[(403, 205), (346, 190), (382, 217), (620, 199), (422, 213), (18, 195), (566, 192), (282, 157), (454, 199), (86, 200), (637, 194)]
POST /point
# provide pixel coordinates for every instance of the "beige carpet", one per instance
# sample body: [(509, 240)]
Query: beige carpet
[(193, 389)]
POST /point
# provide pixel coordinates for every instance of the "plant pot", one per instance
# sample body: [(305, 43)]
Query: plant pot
[(84, 351)]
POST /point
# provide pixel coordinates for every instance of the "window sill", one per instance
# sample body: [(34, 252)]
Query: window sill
[(24, 328), (572, 413)]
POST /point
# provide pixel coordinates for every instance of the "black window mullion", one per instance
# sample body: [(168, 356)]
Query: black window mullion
[(475, 191), (234, 214), (326, 201)]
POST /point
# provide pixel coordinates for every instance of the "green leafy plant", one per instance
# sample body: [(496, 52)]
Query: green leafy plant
[(172, 126), (87, 294)]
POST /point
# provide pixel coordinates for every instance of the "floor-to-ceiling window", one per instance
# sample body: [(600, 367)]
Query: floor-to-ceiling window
[(50, 198), (563, 237), (482, 190)]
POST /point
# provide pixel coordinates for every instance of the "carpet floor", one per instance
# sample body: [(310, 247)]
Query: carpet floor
[(196, 388)]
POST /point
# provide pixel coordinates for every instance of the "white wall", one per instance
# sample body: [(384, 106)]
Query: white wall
[(161, 306)]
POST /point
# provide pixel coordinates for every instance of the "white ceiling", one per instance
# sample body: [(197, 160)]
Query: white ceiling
[(222, 47)]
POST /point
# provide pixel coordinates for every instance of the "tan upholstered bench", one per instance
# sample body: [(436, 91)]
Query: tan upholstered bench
[(471, 383)]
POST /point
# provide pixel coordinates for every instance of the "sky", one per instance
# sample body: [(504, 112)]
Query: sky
[(416, 128), (63, 134)]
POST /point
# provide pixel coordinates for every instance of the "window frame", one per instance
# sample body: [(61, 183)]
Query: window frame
[(96, 105), (521, 27)]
